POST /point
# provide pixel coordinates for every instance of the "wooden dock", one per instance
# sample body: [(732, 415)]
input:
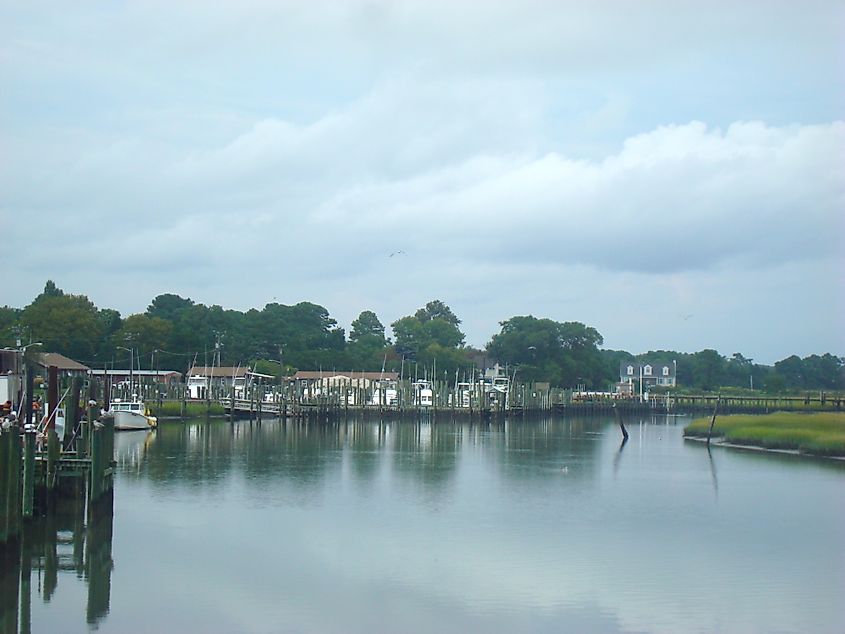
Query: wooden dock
[(36, 467), (526, 401)]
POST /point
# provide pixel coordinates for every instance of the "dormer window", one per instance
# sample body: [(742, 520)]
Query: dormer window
[(631, 370), (647, 370), (665, 370)]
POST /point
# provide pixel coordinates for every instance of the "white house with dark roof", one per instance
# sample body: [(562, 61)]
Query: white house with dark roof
[(636, 377)]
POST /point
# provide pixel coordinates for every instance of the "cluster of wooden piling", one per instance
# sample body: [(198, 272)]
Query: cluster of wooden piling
[(352, 398), (36, 466), (523, 400)]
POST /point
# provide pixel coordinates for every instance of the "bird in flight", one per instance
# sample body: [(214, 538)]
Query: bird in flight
[(396, 253)]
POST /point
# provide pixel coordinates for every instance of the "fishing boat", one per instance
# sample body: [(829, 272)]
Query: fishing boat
[(131, 415)]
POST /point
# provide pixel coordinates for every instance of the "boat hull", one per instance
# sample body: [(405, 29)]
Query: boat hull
[(132, 421)]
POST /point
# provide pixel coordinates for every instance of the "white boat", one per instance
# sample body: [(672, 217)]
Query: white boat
[(129, 415), (423, 394)]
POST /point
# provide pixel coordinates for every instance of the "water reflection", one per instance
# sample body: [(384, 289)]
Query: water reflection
[(535, 525), (203, 453), (713, 472), (618, 455), (63, 546)]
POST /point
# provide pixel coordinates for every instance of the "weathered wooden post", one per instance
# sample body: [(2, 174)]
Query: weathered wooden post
[(72, 410), (54, 451), (84, 444), (28, 472), (94, 478), (15, 457), (30, 388), (108, 451), (713, 419), (52, 396), (5, 488), (208, 396), (252, 403), (232, 402), (620, 423)]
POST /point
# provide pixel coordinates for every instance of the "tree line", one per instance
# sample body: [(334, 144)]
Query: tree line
[(176, 333)]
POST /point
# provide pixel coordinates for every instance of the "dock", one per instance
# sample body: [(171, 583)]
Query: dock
[(521, 401), (37, 468)]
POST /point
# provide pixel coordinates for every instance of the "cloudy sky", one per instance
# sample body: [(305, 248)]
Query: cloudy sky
[(670, 173)]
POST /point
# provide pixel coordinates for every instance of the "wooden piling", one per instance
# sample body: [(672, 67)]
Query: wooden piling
[(52, 395), (54, 450), (12, 467), (713, 419), (5, 470), (28, 473), (232, 403), (620, 423), (94, 479), (72, 411)]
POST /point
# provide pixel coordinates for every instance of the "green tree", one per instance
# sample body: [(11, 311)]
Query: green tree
[(50, 290), (8, 324), (68, 324), (144, 333), (709, 369), (433, 324), (791, 370), (367, 349), (168, 306), (367, 325), (562, 353), (437, 310)]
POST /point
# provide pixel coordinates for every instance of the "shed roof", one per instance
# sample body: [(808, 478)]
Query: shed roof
[(215, 371), (63, 363), (305, 375), (126, 372)]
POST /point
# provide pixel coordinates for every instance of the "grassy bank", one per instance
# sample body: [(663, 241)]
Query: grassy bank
[(816, 434), (192, 410)]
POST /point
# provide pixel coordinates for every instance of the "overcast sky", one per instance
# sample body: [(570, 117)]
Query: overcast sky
[(670, 173)]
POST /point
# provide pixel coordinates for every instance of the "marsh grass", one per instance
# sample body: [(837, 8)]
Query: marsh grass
[(821, 434), (192, 410)]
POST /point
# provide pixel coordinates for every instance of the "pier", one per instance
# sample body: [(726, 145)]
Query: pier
[(520, 400), (38, 468)]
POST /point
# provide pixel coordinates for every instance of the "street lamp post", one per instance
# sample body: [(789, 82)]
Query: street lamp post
[(29, 383)]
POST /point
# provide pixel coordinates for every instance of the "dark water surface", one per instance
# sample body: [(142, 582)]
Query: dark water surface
[(542, 526)]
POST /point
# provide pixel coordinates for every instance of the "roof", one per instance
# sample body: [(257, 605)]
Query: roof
[(636, 365), (63, 363), (119, 372), (222, 371), (304, 375)]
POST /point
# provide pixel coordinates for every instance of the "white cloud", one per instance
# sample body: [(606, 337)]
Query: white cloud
[(537, 144)]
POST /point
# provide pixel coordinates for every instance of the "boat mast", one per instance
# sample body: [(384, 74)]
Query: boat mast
[(131, 375)]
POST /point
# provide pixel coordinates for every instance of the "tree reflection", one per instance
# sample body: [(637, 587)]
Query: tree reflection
[(203, 455)]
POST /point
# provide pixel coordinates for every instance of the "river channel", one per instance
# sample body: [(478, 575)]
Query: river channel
[(547, 525)]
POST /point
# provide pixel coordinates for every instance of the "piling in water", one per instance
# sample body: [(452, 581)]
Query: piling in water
[(713, 419), (28, 473)]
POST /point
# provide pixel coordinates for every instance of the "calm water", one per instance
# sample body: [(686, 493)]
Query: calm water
[(523, 527)]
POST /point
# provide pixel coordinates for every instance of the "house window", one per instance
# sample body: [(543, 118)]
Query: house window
[(647, 370), (631, 369), (665, 370)]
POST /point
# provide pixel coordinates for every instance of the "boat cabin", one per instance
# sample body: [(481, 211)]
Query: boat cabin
[(128, 406)]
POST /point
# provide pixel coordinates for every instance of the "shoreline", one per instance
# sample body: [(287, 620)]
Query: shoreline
[(720, 442)]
